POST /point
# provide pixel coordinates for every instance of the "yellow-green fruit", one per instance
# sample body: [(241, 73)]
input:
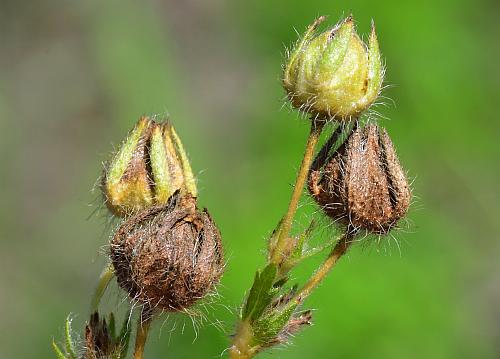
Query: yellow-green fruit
[(334, 75), (126, 183), (149, 167)]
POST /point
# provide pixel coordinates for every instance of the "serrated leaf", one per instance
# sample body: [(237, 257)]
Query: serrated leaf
[(57, 350), (70, 348), (267, 329), (261, 293)]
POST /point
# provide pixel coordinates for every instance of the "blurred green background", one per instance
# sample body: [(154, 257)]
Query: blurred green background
[(76, 75)]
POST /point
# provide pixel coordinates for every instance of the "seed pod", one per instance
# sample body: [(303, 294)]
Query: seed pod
[(362, 184), (334, 75), (168, 256), (149, 167)]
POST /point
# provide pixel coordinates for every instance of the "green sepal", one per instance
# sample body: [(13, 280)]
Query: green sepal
[(334, 53), (375, 68), (261, 294), (58, 351), (291, 69), (122, 158), (189, 180), (68, 341), (309, 60), (159, 165)]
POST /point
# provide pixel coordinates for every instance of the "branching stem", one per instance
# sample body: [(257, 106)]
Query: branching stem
[(286, 224), (242, 343), (337, 252), (242, 347)]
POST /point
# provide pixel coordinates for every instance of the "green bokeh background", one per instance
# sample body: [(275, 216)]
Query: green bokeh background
[(76, 75)]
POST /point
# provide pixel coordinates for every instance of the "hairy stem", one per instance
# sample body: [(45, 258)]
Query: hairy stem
[(143, 324), (337, 252), (242, 348), (104, 279), (286, 224)]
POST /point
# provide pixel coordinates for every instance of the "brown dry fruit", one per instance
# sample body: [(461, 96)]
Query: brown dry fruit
[(168, 256), (362, 184)]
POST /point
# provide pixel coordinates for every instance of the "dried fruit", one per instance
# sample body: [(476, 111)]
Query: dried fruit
[(362, 184), (334, 75), (149, 167), (168, 256)]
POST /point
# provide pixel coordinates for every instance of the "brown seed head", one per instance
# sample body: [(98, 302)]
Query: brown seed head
[(168, 256), (362, 184)]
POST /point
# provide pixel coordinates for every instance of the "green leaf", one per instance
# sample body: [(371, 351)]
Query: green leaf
[(112, 326), (280, 282), (105, 278), (267, 329), (70, 348), (261, 293), (57, 350), (125, 335), (273, 239)]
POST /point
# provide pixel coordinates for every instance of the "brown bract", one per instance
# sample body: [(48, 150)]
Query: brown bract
[(98, 340), (168, 257), (362, 184)]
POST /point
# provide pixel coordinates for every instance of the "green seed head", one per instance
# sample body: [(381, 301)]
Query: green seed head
[(149, 167), (334, 75)]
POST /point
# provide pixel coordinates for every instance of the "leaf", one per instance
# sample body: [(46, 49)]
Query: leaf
[(280, 282), (261, 293), (267, 329), (112, 326), (70, 348), (57, 350), (273, 239), (124, 336)]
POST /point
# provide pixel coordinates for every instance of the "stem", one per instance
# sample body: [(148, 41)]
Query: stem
[(337, 252), (242, 342), (242, 348), (104, 279), (143, 324), (286, 224)]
